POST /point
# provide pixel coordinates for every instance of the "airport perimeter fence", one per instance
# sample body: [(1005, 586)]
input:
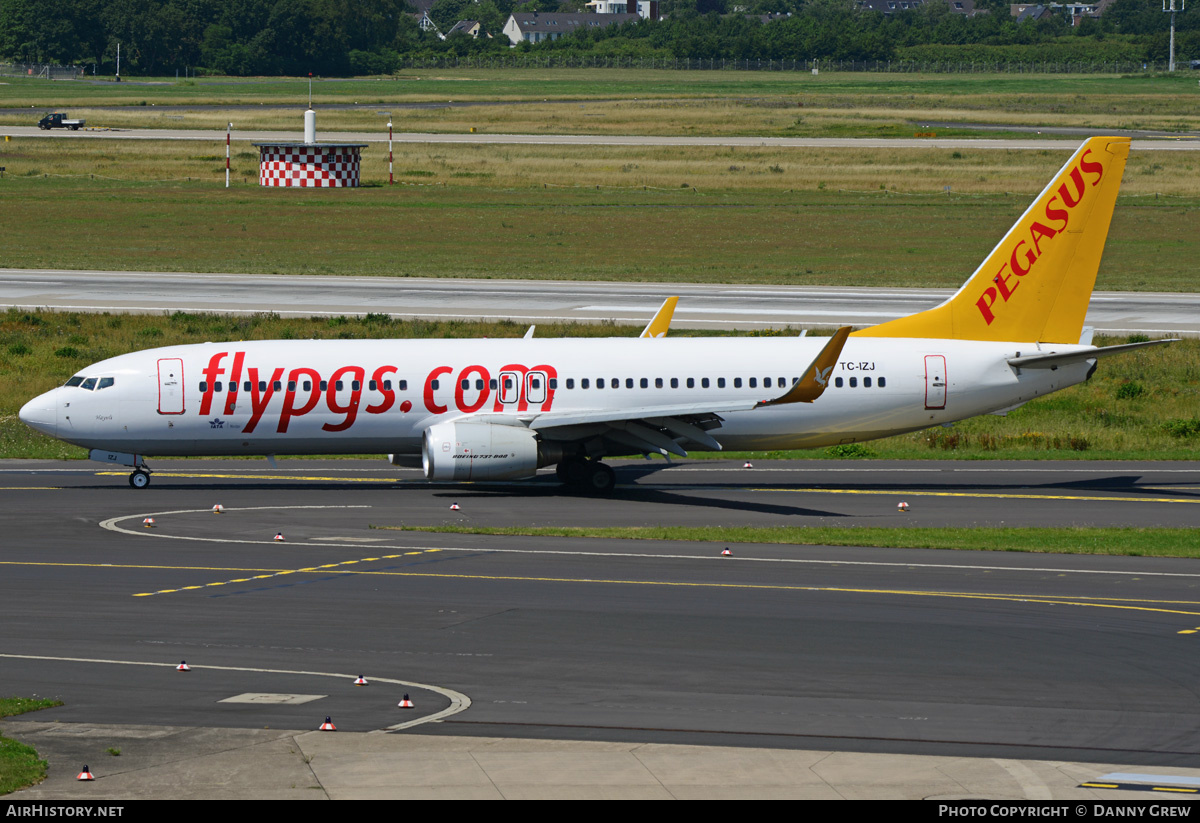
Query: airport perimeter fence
[(584, 61), (43, 70)]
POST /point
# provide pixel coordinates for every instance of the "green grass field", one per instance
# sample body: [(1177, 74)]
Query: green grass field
[(19, 764), (1143, 405), (637, 101), (1107, 541), (697, 215)]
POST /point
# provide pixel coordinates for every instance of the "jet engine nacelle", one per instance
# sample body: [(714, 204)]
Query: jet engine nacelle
[(482, 451)]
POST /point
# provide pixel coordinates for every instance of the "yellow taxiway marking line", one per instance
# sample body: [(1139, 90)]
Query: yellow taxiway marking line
[(280, 572), (214, 476), (1128, 604), (995, 495), (1112, 603)]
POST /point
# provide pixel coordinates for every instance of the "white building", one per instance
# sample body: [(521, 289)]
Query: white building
[(534, 27)]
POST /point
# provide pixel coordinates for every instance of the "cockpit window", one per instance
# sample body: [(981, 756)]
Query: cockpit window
[(74, 381), (104, 383), (88, 384)]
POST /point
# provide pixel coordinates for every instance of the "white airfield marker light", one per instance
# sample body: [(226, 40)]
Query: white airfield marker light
[(148, 522), (453, 507), (328, 726), (85, 774), (406, 703), (218, 509), (748, 465), (361, 681), (183, 666), (902, 507), (726, 552), (278, 537)]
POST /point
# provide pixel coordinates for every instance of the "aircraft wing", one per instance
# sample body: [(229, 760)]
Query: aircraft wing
[(660, 428)]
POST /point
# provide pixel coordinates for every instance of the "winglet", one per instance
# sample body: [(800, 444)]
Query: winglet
[(816, 376), (657, 327)]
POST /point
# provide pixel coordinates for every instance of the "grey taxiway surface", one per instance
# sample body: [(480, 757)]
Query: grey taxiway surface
[(701, 305), (557, 653)]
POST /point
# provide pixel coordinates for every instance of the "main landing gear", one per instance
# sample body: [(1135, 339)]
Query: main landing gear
[(140, 479), (588, 476)]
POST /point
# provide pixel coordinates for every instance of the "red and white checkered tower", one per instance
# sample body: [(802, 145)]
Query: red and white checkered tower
[(309, 164)]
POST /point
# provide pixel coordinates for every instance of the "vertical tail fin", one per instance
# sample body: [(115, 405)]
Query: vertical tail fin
[(1036, 284)]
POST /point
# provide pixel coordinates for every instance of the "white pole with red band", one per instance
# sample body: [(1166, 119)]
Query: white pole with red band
[(391, 181), (228, 131)]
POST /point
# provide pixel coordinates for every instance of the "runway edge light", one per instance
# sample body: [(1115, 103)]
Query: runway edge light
[(183, 666), (328, 726), (85, 774), (361, 681), (902, 506), (405, 703)]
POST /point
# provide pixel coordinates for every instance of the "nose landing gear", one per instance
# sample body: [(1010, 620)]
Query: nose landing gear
[(140, 479)]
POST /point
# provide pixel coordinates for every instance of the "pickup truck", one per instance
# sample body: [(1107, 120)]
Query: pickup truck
[(58, 120)]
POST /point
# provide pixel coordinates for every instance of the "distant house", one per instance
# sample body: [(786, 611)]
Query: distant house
[(534, 27), (471, 28), (424, 21), (645, 9), (1075, 12), (963, 7)]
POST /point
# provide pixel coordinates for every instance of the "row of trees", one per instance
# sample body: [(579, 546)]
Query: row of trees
[(347, 37)]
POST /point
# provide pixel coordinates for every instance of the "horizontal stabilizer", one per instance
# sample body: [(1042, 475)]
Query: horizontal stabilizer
[(1053, 360)]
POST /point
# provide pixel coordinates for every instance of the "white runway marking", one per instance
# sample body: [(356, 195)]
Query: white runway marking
[(459, 702), (111, 525)]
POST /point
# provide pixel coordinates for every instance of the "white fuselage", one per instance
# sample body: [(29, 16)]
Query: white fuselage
[(347, 396)]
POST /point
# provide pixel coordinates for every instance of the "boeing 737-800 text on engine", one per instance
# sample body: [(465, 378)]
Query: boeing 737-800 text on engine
[(494, 409)]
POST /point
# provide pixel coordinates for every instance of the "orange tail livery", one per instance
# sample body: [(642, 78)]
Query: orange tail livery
[(1036, 284)]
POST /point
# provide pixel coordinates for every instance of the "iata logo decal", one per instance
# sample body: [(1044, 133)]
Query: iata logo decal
[(1023, 258), (216, 423)]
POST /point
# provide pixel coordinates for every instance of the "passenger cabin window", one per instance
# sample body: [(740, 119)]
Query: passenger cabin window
[(277, 385), (867, 382), (837, 381), (882, 382), (754, 382), (720, 382), (645, 384), (403, 385), (583, 384), (704, 382), (853, 382), (570, 382), (691, 382), (658, 383), (674, 382), (737, 382)]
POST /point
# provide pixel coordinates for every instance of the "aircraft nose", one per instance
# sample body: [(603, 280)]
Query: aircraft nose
[(41, 413)]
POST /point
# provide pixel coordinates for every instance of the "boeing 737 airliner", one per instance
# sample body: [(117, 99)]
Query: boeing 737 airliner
[(496, 409)]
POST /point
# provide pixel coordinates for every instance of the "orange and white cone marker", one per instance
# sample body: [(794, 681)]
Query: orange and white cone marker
[(328, 726), (361, 681), (727, 552), (902, 506), (453, 507), (85, 774), (405, 703), (218, 509), (278, 537), (148, 522), (183, 666)]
